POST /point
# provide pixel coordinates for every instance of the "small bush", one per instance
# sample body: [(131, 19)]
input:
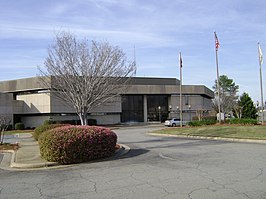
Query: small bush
[(19, 126), (208, 122), (47, 122), (201, 123), (74, 144), (195, 123), (45, 127), (243, 121)]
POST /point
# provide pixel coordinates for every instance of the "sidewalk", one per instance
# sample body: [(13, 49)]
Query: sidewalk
[(28, 155)]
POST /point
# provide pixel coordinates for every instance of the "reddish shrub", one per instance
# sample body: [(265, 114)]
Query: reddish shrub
[(45, 127), (74, 144)]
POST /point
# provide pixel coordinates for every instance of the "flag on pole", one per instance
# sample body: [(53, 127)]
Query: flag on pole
[(180, 60), (260, 55), (217, 44)]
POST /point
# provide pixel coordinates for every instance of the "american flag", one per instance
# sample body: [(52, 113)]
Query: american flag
[(217, 44)]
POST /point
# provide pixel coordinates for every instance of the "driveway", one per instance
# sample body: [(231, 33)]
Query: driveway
[(156, 167)]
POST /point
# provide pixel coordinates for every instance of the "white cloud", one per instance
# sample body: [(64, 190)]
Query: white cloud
[(158, 29)]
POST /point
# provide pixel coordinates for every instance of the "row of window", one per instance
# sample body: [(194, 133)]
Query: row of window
[(133, 110)]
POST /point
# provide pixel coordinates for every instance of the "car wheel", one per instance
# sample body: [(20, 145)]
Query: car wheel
[(173, 124)]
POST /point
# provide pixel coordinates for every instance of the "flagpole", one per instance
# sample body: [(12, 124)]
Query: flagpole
[(261, 89), (180, 91), (218, 76)]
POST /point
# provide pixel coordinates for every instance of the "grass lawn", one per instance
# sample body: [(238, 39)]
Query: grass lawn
[(18, 132), (227, 131)]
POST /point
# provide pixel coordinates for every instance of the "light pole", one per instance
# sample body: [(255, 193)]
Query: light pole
[(177, 110), (170, 109), (189, 107)]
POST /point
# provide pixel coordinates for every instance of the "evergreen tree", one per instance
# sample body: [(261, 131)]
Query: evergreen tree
[(247, 106)]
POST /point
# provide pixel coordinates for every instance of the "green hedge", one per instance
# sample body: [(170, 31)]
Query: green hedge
[(243, 121), (74, 144), (19, 126), (202, 123), (47, 122), (45, 127)]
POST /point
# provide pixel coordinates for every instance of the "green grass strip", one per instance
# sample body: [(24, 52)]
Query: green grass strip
[(256, 132)]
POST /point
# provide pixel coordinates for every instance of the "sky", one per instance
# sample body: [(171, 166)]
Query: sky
[(159, 30)]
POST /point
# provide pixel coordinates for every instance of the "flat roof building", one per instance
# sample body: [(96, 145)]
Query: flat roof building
[(146, 100)]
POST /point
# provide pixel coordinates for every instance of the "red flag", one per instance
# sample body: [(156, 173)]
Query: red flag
[(180, 60), (217, 44)]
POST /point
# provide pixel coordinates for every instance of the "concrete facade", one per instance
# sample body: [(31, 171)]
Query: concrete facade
[(6, 106), (30, 103)]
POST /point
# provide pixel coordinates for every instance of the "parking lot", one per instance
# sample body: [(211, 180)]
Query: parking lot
[(155, 167)]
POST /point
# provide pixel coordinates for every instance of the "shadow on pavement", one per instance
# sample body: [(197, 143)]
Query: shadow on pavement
[(134, 153)]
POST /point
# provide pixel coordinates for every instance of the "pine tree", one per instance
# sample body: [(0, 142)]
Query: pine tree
[(248, 107)]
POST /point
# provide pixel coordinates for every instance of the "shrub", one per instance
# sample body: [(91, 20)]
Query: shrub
[(45, 127), (208, 122), (243, 121), (74, 144), (47, 122), (19, 126), (195, 123), (201, 123)]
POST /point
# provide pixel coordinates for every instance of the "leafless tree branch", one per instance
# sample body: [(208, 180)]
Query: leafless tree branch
[(86, 74), (5, 121)]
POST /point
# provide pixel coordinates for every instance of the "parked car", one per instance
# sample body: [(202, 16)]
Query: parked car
[(174, 122)]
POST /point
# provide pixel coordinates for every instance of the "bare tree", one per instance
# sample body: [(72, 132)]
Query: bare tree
[(200, 113), (5, 121), (228, 94), (86, 74)]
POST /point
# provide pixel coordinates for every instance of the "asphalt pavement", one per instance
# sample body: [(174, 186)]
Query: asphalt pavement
[(155, 167)]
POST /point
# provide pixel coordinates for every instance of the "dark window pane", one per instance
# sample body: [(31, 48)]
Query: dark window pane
[(132, 108), (157, 107)]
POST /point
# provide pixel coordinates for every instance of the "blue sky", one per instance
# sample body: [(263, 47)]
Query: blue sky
[(158, 30)]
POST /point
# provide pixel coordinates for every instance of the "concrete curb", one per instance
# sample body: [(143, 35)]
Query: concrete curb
[(124, 149), (212, 138), (13, 164)]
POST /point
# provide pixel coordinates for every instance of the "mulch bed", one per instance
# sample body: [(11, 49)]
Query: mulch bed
[(8, 146)]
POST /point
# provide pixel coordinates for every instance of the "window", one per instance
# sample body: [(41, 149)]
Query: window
[(132, 108), (186, 100)]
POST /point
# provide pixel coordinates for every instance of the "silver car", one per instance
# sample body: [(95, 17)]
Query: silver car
[(172, 122)]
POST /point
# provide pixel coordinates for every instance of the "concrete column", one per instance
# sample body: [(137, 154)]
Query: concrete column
[(145, 108)]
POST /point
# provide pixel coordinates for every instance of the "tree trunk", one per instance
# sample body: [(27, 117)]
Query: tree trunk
[(2, 136), (83, 118)]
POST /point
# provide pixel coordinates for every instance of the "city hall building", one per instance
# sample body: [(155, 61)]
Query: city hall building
[(146, 100)]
